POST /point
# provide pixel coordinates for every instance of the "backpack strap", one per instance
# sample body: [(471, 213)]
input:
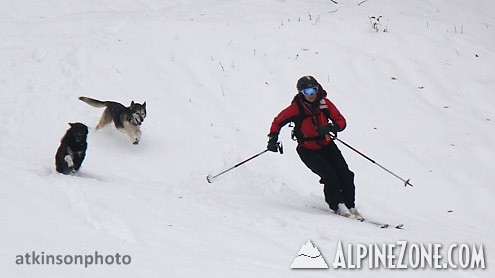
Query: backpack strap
[(296, 132)]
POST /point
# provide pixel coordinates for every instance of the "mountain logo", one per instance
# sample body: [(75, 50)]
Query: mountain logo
[(309, 257)]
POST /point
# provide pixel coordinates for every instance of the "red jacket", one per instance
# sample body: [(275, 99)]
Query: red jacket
[(317, 115)]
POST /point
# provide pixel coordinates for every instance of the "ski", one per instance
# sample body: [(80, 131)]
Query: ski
[(379, 224)]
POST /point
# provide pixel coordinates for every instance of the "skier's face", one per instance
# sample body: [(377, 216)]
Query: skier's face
[(310, 98)]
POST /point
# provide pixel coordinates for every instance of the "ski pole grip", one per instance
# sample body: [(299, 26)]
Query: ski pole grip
[(324, 121), (280, 147)]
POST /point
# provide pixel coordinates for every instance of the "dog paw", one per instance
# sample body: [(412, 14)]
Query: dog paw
[(68, 160)]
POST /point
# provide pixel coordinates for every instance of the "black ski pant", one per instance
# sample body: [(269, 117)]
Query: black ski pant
[(330, 165)]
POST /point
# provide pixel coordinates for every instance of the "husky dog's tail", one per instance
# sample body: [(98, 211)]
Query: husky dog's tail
[(93, 102)]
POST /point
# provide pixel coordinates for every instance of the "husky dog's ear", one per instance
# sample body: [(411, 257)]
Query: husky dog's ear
[(144, 104), (71, 124)]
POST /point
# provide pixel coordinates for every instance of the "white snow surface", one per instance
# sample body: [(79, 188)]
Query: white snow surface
[(418, 99)]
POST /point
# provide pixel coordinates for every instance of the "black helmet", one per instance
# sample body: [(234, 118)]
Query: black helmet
[(306, 82)]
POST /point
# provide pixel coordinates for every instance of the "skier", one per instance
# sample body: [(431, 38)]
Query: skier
[(311, 111)]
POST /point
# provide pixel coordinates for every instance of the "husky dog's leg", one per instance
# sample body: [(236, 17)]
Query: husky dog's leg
[(133, 132), (105, 119), (137, 136)]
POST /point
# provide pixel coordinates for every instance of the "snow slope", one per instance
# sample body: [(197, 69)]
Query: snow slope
[(418, 99)]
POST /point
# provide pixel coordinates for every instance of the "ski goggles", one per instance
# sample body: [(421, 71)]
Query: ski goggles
[(309, 91)]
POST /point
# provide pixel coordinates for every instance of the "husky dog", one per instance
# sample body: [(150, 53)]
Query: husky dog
[(126, 119), (72, 150)]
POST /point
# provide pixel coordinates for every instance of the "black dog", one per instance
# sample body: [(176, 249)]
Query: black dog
[(72, 150)]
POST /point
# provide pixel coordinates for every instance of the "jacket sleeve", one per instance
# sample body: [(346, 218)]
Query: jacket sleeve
[(284, 117), (335, 115)]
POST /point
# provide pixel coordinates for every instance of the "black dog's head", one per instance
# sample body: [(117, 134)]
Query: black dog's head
[(78, 132), (137, 112)]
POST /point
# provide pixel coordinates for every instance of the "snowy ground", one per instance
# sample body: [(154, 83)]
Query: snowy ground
[(418, 99)]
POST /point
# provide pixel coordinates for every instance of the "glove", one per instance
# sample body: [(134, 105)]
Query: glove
[(326, 129), (272, 142)]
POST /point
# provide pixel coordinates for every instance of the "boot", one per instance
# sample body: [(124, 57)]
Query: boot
[(356, 213), (342, 210)]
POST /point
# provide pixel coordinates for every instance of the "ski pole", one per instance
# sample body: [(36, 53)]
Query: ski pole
[(210, 178), (406, 182)]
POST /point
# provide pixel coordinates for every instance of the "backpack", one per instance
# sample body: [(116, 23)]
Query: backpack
[(319, 119)]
